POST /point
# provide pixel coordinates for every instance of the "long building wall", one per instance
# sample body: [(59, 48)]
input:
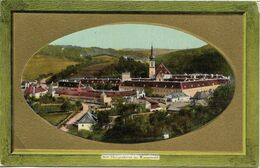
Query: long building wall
[(165, 91), (156, 90), (192, 91)]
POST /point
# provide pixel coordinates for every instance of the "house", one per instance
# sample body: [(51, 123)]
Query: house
[(202, 95), (146, 103), (25, 84), (105, 100), (155, 105), (177, 97), (166, 136), (201, 98), (35, 91), (140, 93), (162, 73), (86, 122)]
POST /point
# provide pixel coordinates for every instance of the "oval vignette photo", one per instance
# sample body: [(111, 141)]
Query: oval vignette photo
[(128, 83)]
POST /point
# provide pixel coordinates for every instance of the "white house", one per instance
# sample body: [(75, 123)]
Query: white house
[(140, 94), (86, 122), (26, 84), (177, 97)]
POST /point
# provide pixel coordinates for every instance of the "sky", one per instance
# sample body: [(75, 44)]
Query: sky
[(120, 36)]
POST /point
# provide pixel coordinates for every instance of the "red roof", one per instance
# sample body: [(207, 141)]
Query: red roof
[(164, 84), (101, 80), (202, 83), (154, 103), (162, 69), (90, 92), (34, 89)]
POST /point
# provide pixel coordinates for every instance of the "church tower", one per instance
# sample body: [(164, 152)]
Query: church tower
[(152, 64)]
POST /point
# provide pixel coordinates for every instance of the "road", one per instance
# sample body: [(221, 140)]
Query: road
[(75, 118)]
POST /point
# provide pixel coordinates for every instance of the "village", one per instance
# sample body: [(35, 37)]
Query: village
[(160, 91)]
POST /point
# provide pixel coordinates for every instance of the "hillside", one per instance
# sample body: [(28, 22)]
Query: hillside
[(147, 52), (95, 65), (71, 61), (112, 68), (143, 54), (199, 60), (80, 54), (40, 65)]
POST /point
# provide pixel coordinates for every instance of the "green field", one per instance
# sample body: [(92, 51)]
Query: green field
[(47, 108), (40, 64), (98, 63), (93, 69), (102, 62), (56, 118), (104, 59)]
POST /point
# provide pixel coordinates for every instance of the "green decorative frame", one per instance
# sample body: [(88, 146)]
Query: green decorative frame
[(251, 97)]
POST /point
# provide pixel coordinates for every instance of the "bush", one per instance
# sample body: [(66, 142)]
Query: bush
[(66, 106), (84, 133)]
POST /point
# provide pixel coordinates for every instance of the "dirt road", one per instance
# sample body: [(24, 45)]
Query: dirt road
[(76, 117)]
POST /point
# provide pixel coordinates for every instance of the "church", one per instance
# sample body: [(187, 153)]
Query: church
[(161, 72), (160, 80), (163, 82)]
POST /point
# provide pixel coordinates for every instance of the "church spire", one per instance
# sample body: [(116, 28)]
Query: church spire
[(152, 52), (152, 64)]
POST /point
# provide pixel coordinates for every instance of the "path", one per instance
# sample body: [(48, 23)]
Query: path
[(75, 118)]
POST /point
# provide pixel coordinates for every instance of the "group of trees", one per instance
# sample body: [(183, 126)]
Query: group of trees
[(205, 59), (129, 127), (71, 69), (49, 104), (71, 106), (136, 68), (104, 86)]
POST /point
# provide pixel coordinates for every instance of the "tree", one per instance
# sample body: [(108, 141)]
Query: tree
[(158, 121), (78, 105), (66, 106), (221, 98), (47, 98), (148, 91), (136, 129), (103, 118)]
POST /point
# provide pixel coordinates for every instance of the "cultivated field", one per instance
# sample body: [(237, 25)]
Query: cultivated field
[(40, 64), (56, 118), (105, 59), (98, 63)]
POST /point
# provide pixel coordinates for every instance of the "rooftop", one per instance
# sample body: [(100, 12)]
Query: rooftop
[(87, 118), (176, 95)]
